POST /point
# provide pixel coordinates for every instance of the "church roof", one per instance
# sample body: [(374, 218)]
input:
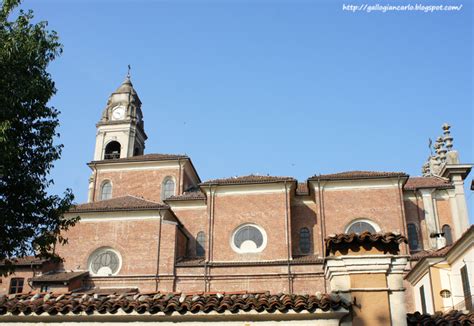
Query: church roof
[(59, 277), (146, 157), (23, 261), (188, 195), (350, 175), (126, 87), (248, 179), (414, 183), (152, 303), (118, 204)]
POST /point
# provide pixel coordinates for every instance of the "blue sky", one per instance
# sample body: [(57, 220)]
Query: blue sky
[(272, 87)]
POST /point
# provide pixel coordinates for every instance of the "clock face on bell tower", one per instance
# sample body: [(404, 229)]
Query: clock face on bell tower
[(118, 113)]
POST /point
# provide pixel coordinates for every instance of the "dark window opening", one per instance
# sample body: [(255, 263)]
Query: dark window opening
[(447, 234), (305, 241), (466, 287), (412, 237), (423, 300), (16, 285), (112, 150), (200, 244)]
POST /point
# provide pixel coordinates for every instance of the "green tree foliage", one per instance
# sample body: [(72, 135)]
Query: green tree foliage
[(31, 220)]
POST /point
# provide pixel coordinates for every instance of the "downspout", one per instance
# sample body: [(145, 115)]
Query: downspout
[(158, 254), (180, 187), (402, 213), (288, 245), (323, 227), (208, 251), (95, 182)]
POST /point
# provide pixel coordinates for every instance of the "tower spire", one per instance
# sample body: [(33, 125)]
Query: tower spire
[(128, 72)]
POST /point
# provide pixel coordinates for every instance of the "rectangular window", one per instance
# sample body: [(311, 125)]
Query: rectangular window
[(16, 285), (44, 288), (422, 298), (466, 287)]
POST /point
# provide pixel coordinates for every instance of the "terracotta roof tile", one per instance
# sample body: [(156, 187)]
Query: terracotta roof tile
[(390, 239), (426, 182), (188, 195), (153, 303), (453, 317), (349, 175), (59, 277), (248, 179), (117, 204), (146, 157), (431, 253)]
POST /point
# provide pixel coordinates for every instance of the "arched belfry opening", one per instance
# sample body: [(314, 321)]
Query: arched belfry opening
[(112, 150)]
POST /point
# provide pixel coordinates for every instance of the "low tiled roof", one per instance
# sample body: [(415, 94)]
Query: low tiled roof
[(248, 179), (189, 195), (430, 253), (23, 261), (146, 157), (453, 317), (350, 175), (388, 238), (59, 277), (414, 183), (117, 204), (153, 303)]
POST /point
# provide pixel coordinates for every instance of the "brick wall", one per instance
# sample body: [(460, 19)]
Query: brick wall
[(141, 183)]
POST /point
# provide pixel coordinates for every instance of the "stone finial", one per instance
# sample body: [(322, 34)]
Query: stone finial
[(441, 149), (425, 170), (448, 139)]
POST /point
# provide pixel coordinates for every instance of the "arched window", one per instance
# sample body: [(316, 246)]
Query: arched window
[(359, 226), (112, 150), (412, 236), (447, 234), (106, 191), (305, 241), (167, 189), (200, 244)]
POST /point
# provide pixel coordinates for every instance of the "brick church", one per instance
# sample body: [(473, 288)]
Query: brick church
[(152, 225)]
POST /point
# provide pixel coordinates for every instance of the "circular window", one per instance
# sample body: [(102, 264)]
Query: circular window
[(249, 238), (104, 262)]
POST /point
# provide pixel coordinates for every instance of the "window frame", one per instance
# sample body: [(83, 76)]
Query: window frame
[(104, 183), (16, 286), (410, 238), (257, 250), (308, 239), (362, 220), (201, 245), (163, 187), (450, 242), (99, 251)]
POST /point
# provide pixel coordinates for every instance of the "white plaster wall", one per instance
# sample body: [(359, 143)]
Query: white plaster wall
[(425, 281), (457, 290)]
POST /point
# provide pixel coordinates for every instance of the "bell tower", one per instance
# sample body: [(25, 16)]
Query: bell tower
[(120, 131)]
